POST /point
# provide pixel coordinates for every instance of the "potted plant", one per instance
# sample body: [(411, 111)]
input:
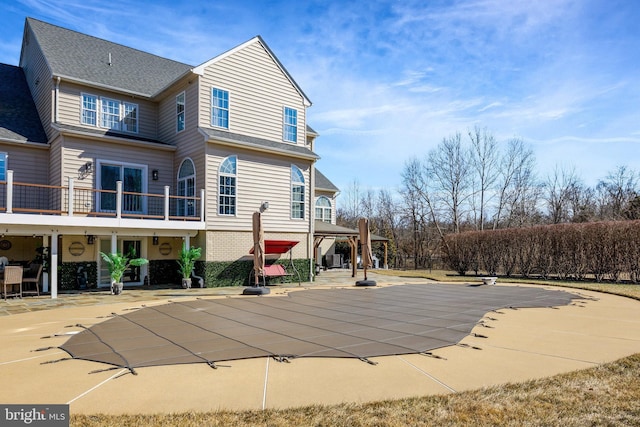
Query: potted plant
[(187, 261), (118, 264)]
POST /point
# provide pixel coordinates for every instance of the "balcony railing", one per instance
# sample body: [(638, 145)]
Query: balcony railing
[(19, 197)]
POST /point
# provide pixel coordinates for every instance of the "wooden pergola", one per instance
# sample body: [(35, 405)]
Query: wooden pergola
[(351, 236)]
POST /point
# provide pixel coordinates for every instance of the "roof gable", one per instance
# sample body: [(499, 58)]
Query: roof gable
[(201, 68), (90, 60)]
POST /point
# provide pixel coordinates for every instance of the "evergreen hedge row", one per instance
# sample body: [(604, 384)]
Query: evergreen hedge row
[(236, 273), (598, 250), (165, 272)]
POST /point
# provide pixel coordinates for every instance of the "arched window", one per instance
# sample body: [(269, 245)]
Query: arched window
[(297, 193), (187, 188), (323, 209), (227, 187)]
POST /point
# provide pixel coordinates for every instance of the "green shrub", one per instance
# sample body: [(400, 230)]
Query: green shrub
[(236, 273)]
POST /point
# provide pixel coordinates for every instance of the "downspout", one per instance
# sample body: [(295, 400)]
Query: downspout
[(57, 101), (312, 219)]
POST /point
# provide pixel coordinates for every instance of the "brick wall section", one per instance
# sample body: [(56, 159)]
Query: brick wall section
[(235, 245)]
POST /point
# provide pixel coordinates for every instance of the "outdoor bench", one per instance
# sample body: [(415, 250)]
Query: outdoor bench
[(274, 271)]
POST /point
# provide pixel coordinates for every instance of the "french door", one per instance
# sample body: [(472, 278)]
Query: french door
[(133, 181), (133, 275)]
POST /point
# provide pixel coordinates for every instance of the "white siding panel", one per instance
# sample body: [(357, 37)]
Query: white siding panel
[(77, 152), (260, 178), (39, 80), (29, 164), (190, 142), (258, 92), (55, 162), (69, 109)]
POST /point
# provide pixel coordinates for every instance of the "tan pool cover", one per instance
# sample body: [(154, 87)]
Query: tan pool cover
[(359, 323)]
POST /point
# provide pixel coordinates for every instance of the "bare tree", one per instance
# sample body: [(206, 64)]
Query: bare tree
[(515, 176), (582, 204), (416, 190), (419, 213), (483, 157), (368, 207), (390, 222), (617, 191), (447, 170), (558, 187), (350, 212)]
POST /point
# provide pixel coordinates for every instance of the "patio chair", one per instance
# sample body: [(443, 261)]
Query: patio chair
[(31, 280), (12, 278)]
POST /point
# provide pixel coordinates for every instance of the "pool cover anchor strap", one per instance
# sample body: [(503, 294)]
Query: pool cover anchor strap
[(46, 348), (367, 360), (430, 354), (473, 347), (113, 368), (50, 362)]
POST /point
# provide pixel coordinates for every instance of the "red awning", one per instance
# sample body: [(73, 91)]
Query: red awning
[(277, 246)]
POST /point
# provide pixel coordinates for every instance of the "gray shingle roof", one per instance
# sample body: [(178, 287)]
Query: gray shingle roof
[(259, 143), (84, 58), (19, 120), (323, 183), (310, 130)]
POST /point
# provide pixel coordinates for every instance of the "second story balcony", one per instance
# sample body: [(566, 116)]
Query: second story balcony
[(77, 205)]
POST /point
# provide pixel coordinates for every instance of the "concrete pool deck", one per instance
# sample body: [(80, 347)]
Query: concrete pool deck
[(519, 345)]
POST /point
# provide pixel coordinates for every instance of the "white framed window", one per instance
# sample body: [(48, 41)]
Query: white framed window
[(130, 117), (110, 113), (134, 182), (220, 108), (89, 110), (3, 166), (323, 209), (227, 197), (290, 125), (180, 104), (297, 193), (187, 188)]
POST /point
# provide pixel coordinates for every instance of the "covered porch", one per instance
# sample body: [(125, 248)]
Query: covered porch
[(47, 222)]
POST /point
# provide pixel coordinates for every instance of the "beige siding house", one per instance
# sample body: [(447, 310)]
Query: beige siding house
[(105, 148)]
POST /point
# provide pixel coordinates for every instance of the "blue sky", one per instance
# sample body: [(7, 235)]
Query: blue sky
[(390, 79)]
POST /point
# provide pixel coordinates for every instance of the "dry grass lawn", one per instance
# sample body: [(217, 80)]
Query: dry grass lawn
[(607, 395), (628, 290)]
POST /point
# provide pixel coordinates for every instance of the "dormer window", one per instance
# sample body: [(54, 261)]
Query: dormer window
[(89, 109), (110, 115), (129, 117), (113, 114), (290, 125)]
